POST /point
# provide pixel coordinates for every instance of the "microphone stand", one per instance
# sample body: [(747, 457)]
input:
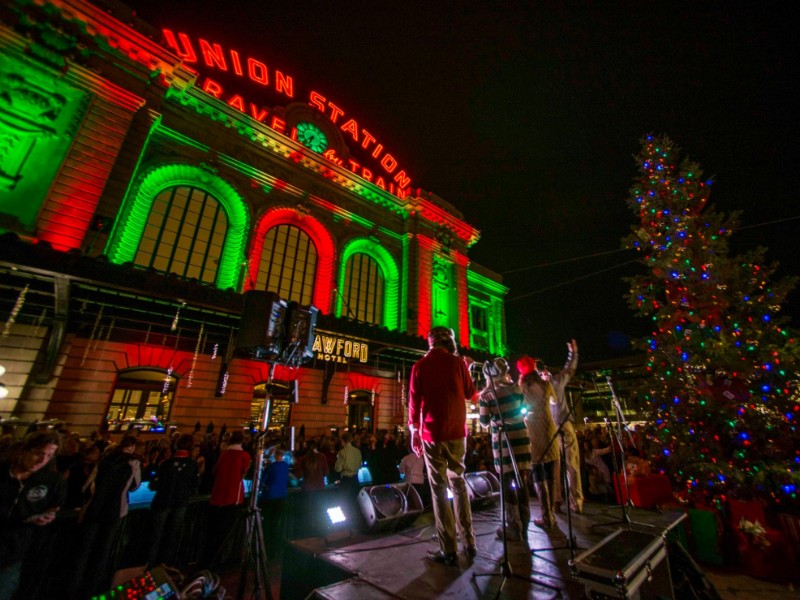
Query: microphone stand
[(505, 565), (572, 543), (615, 435)]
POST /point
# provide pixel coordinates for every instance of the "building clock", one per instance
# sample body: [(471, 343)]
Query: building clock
[(312, 137)]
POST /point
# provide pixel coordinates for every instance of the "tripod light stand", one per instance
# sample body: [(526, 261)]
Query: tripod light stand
[(254, 553), (491, 371)]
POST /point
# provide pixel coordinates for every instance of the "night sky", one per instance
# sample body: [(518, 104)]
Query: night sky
[(527, 121)]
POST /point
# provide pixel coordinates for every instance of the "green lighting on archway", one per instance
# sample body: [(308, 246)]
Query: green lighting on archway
[(133, 217), (390, 275)]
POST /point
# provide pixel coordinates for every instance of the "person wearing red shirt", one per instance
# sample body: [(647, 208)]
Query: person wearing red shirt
[(437, 419), (227, 494)]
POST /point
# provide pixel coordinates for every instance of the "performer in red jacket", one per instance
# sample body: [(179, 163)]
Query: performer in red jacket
[(437, 418)]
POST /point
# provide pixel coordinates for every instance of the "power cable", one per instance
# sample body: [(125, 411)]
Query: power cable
[(563, 283), (606, 252), (566, 260)]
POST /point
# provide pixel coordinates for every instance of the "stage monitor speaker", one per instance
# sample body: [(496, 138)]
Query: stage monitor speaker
[(300, 326), (483, 488), (262, 326), (389, 507)]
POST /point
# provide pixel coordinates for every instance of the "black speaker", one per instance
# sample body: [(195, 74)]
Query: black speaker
[(388, 507), (483, 488), (300, 333), (262, 326)]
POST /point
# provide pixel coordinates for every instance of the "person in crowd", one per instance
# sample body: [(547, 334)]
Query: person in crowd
[(69, 454), (542, 432), (368, 445), (599, 473), (384, 460), (636, 466), (175, 481), (564, 418), (78, 474), (197, 455), (327, 447), (117, 473), (437, 419), (348, 462), (31, 493), (227, 494), (312, 468), (412, 468), (500, 405), (274, 491), (313, 471)]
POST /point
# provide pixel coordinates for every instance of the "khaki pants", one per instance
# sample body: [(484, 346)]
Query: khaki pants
[(445, 463), (573, 466)]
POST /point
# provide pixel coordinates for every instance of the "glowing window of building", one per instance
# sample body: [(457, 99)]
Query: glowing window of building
[(443, 292), (185, 233), (479, 326), (141, 395), (364, 289), (288, 264), (280, 408)]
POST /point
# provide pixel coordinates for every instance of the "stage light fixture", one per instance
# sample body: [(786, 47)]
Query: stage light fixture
[(262, 327), (337, 525), (336, 515), (301, 322)]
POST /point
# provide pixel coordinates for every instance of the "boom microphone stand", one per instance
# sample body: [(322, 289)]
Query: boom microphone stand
[(491, 371), (615, 435)]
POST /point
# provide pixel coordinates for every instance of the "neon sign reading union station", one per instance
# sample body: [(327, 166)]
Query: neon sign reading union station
[(385, 173)]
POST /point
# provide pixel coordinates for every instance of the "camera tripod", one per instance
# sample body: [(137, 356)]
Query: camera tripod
[(254, 552)]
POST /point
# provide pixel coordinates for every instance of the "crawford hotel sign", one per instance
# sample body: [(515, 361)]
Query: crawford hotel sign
[(332, 348), (375, 163)]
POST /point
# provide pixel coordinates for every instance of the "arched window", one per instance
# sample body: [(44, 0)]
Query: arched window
[(364, 289), (184, 234), (142, 399), (288, 264)]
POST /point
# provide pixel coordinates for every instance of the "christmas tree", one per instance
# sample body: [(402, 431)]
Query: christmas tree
[(722, 394)]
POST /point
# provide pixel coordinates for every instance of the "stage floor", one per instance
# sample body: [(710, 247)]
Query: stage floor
[(393, 565)]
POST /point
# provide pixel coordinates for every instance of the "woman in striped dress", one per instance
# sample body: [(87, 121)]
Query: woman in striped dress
[(509, 401)]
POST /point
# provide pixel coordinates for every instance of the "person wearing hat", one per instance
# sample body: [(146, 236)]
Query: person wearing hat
[(437, 419), (542, 432), (509, 401)]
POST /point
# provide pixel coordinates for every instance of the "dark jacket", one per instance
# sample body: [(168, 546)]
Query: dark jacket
[(43, 490), (176, 480), (113, 474)]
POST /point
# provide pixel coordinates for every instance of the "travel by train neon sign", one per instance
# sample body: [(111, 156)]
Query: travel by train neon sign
[(385, 172)]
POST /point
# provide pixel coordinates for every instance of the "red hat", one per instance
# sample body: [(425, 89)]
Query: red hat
[(525, 365)]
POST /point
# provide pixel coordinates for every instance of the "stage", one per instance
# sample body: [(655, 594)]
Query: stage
[(351, 564)]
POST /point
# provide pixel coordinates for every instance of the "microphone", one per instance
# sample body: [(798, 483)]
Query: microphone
[(490, 370)]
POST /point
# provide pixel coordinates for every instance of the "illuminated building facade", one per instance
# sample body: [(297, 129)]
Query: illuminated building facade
[(148, 188)]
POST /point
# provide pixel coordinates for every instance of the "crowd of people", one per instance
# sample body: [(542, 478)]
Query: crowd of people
[(86, 482)]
